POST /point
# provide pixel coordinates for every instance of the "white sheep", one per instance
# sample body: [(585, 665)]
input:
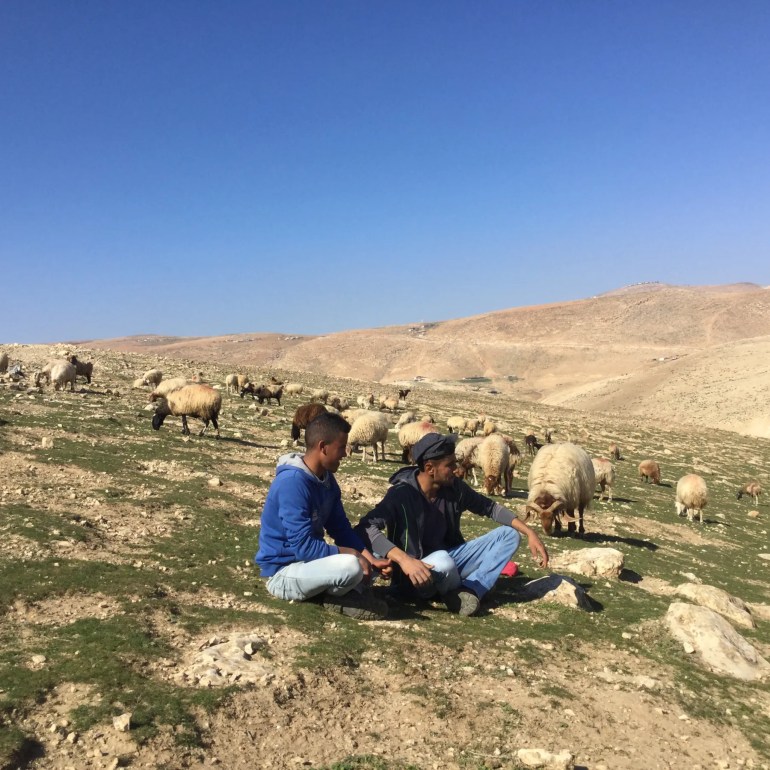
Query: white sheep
[(195, 400), (494, 457), (472, 425), (340, 403), (410, 434), (294, 389), (405, 418), (514, 450), (456, 424), (751, 488), (233, 383), (168, 386), (466, 453), (3, 363), (320, 394), (427, 418), (649, 470), (389, 402), (64, 373), (368, 430), (44, 375), (561, 481), (366, 401), (605, 476), (489, 427), (691, 496), (614, 451), (152, 377)]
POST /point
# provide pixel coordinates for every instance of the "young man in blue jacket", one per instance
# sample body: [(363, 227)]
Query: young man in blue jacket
[(417, 527), (303, 502)]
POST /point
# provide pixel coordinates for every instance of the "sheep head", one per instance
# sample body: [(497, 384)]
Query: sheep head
[(549, 515)]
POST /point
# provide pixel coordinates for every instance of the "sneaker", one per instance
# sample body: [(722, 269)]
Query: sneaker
[(356, 605), (462, 602)]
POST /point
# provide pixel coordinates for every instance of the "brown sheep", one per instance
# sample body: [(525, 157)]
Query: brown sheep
[(303, 416), (750, 488), (649, 470)]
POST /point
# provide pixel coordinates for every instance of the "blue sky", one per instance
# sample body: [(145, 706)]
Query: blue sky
[(199, 168)]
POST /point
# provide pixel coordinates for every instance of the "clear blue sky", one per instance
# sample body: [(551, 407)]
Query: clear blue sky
[(200, 168)]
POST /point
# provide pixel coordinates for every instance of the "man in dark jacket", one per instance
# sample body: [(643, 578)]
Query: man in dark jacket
[(417, 527)]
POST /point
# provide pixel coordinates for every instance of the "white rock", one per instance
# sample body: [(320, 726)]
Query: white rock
[(46, 442), (592, 562), (122, 723), (558, 589), (542, 758), (215, 481), (733, 608), (38, 660), (720, 647)]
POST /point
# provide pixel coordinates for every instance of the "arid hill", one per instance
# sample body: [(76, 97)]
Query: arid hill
[(690, 354)]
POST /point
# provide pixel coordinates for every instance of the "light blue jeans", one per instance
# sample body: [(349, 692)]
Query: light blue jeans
[(476, 564), (302, 580)]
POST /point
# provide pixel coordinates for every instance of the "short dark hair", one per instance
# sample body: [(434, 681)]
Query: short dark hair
[(326, 427)]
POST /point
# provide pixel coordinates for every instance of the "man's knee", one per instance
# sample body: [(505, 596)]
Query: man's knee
[(505, 537), (441, 562), (350, 570)]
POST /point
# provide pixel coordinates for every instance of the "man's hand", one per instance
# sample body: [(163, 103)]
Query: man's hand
[(362, 560), (417, 571), (383, 566), (537, 549)]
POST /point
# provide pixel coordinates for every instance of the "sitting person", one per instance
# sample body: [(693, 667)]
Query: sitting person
[(417, 527), (304, 501)]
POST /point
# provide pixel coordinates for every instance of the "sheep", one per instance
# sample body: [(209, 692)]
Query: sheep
[(472, 426), (168, 386), (82, 368), (532, 444), (4, 363), (405, 418), (494, 457), (427, 418), (64, 373), (234, 383), (363, 401), (275, 381), (198, 377), (410, 434), (466, 453), (302, 416), (195, 400), (649, 470), (752, 488), (614, 451), (368, 430), (514, 450), (138, 383), (561, 481), (45, 375), (691, 496), (490, 427), (389, 402), (455, 424), (403, 393), (605, 476), (351, 415), (339, 403), (320, 394), (263, 392), (294, 389), (152, 377)]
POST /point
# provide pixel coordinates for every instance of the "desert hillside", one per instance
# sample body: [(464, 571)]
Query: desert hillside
[(689, 354)]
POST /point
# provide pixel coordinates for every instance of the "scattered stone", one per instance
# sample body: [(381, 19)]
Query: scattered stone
[(592, 562), (765, 556), (46, 442), (733, 608), (222, 662), (284, 443), (721, 648), (122, 723), (558, 589), (753, 514), (542, 758), (215, 481), (38, 660)]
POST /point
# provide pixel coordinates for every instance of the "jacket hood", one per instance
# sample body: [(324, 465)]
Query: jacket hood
[(293, 462), (406, 475)]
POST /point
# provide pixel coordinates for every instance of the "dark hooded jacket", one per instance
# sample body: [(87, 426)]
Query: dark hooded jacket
[(406, 519)]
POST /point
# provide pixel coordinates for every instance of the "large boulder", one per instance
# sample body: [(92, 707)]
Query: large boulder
[(555, 588), (733, 608), (592, 562), (721, 648)]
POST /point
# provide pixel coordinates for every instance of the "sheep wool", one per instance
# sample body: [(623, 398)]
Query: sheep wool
[(294, 389), (168, 386), (63, 373), (303, 415), (649, 470), (368, 430), (152, 377), (605, 476), (410, 434), (494, 457), (200, 401), (691, 496), (455, 424), (561, 481)]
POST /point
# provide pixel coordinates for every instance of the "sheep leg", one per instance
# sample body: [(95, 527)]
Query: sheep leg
[(375, 451), (216, 425), (185, 429), (609, 489), (475, 478), (581, 528), (205, 428)]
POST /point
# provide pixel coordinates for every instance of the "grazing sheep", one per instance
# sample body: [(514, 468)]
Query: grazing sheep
[(168, 386), (235, 382), (691, 496), (389, 402), (750, 488), (44, 375), (368, 430), (152, 377), (294, 389), (4, 363), (63, 373), (466, 453), (339, 403), (363, 401), (614, 451), (649, 470), (410, 434), (405, 418), (472, 426), (302, 416), (320, 394), (532, 444), (263, 392), (428, 418), (455, 424), (82, 368), (490, 427), (403, 393), (515, 453), (561, 481), (494, 457), (200, 401), (605, 476), (198, 377), (275, 381), (138, 383)]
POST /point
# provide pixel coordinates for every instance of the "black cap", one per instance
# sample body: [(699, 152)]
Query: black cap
[(431, 446)]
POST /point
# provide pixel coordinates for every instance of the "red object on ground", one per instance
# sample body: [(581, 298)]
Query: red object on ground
[(511, 569)]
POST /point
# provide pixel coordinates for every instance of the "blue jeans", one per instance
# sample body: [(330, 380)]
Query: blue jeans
[(475, 565), (302, 580)]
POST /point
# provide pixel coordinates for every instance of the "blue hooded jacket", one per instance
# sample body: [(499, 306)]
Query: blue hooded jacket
[(298, 509)]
